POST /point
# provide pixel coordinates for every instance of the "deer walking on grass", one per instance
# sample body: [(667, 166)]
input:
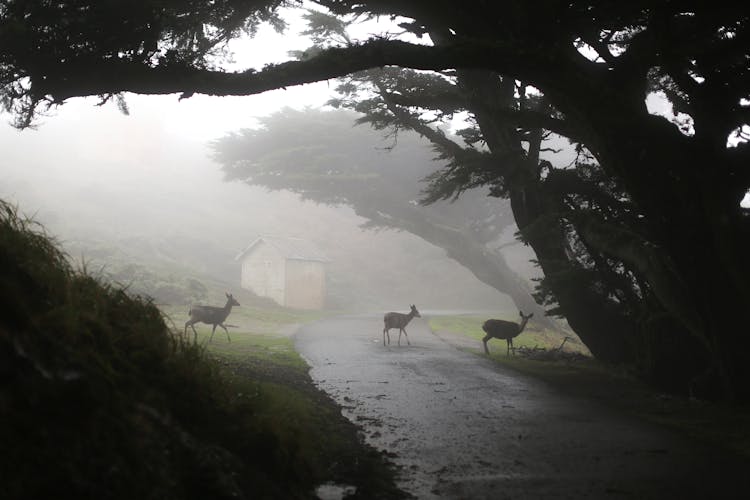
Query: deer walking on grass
[(210, 315), (504, 330), (398, 320)]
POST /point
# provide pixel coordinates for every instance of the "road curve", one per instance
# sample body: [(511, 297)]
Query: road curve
[(460, 426)]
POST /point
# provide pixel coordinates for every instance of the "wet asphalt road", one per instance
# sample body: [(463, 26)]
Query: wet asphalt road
[(459, 426)]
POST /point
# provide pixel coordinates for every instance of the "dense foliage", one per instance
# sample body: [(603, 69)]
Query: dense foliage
[(652, 209)]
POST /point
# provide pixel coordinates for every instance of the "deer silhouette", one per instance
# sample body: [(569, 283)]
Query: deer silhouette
[(501, 329), (210, 315), (398, 320)]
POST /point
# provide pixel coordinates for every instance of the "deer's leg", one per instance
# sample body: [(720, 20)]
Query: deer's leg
[(484, 341), (385, 331), (510, 345), (212, 334), (405, 335), (225, 329), (195, 333)]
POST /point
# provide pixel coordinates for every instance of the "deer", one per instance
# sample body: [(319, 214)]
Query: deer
[(398, 320), (501, 329), (210, 315)]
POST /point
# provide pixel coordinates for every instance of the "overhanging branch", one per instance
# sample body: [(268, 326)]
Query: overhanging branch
[(87, 78)]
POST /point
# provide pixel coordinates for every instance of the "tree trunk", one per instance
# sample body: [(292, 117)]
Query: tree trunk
[(601, 327), (488, 267), (688, 195)]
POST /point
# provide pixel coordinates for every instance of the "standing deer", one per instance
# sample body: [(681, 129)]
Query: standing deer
[(398, 320), (501, 329), (211, 316)]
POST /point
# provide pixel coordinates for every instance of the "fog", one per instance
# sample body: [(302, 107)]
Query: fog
[(140, 191), (143, 190)]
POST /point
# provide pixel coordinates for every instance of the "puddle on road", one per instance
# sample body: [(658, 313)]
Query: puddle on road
[(333, 491)]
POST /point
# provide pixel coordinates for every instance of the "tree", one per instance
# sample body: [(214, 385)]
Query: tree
[(593, 62), (329, 161), (599, 297)]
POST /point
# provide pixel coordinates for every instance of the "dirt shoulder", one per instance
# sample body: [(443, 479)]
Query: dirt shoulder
[(343, 465), (719, 425)]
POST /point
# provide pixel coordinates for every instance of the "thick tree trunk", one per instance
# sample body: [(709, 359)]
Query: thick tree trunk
[(607, 333)]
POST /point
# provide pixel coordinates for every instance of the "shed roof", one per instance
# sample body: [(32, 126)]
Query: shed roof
[(288, 247)]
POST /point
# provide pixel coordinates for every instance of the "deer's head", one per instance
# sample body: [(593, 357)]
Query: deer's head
[(415, 312), (231, 301), (524, 318)]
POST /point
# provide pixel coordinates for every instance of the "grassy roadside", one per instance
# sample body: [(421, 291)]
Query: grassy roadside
[(100, 398), (720, 425), (262, 368)]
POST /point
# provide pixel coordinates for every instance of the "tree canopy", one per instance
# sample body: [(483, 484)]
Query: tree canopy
[(651, 209), (322, 157)]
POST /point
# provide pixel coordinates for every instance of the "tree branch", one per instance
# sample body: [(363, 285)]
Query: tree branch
[(650, 261), (86, 77)]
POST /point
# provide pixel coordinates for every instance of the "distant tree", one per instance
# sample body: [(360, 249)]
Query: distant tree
[(593, 62), (323, 157)]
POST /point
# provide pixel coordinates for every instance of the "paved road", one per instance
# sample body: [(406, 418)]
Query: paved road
[(459, 426)]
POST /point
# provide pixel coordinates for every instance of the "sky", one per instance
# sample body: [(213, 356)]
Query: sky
[(95, 138), (202, 117)]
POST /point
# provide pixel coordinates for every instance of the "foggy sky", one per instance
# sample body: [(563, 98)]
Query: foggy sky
[(91, 174)]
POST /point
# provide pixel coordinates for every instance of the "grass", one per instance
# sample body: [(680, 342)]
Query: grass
[(255, 348), (262, 366), (719, 424), (268, 319), (532, 335)]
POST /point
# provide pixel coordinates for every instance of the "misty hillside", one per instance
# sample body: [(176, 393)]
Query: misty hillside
[(138, 196)]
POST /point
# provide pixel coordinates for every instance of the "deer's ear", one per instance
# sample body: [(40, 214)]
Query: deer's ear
[(227, 294)]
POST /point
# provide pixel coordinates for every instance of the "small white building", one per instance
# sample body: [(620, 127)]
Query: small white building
[(291, 271)]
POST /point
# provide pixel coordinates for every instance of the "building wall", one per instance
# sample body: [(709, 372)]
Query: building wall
[(264, 273), (305, 284)]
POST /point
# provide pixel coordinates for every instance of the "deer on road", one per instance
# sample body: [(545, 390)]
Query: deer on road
[(501, 329), (210, 315), (398, 320)]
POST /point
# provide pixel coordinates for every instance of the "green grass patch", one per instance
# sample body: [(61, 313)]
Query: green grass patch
[(261, 320), (532, 335), (247, 347), (316, 440), (266, 370), (263, 370)]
